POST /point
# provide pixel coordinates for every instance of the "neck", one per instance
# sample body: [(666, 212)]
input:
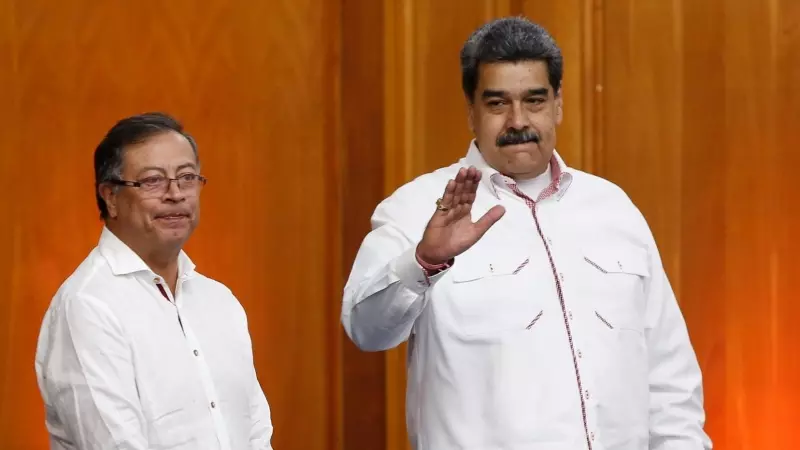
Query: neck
[(162, 261), (521, 177), (165, 265)]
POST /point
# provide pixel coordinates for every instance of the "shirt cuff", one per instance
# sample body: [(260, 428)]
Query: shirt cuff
[(411, 274)]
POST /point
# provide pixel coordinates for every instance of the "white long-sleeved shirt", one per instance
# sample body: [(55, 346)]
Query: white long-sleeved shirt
[(558, 330), (122, 364)]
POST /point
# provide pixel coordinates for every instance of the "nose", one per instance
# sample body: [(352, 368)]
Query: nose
[(516, 117), (174, 193)]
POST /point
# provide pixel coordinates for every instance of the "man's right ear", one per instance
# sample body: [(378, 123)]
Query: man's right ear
[(108, 193)]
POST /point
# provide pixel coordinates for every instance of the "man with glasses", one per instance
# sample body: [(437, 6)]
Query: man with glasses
[(137, 350)]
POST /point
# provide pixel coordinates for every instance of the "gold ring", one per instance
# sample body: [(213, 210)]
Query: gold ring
[(440, 206)]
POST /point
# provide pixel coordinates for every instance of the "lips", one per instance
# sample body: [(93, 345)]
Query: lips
[(515, 148), (173, 216)]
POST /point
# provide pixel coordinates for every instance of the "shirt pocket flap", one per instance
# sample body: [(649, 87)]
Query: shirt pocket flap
[(474, 266), (626, 259)]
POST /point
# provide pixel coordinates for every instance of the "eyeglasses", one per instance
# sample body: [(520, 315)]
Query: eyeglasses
[(188, 183)]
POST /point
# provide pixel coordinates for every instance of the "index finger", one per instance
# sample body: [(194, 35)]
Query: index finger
[(449, 193)]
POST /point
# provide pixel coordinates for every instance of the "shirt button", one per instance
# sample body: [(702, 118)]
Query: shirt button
[(561, 275), (213, 405), (196, 353), (587, 395), (570, 315), (580, 354), (156, 280), (592, 435)]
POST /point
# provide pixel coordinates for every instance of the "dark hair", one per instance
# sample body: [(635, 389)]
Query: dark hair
[(108, 156), (509, 39)]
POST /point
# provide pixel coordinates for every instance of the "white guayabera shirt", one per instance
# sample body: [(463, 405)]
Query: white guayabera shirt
[(121, 364), (558, 330)]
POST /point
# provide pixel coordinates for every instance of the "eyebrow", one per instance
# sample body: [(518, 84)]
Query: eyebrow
[(161, 169), (491, 93), (538, 91)]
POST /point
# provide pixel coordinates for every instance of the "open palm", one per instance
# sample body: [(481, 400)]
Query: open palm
[(451, 230)]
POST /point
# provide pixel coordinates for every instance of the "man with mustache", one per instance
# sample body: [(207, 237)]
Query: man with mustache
[(138, 350), (532, 295)]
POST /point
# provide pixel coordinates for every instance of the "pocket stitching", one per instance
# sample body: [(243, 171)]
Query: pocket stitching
[(603, 319), (634, 264), (535, 319), (486, 270)]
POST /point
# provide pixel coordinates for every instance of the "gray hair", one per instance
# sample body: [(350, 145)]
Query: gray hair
[(509, 39)]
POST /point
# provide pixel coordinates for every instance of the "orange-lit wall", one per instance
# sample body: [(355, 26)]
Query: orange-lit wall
[(689, 105), (692, 107), (252, 81)]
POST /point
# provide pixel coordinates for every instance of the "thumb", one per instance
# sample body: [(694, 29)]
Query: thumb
[(487, 220)]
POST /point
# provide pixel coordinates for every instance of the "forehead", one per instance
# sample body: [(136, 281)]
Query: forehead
[(513, 77), (164, 150)]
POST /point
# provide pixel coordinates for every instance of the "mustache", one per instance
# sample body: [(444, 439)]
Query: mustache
[(516, 137)]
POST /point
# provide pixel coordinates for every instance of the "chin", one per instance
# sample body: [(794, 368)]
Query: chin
[(175, 234), (528, 169), (174, 237), (526, 161)]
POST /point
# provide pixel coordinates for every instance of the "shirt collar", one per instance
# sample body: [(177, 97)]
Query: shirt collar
[(559, 172), (124, 261)]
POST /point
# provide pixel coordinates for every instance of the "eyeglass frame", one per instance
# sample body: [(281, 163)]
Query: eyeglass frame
[(138, 184)]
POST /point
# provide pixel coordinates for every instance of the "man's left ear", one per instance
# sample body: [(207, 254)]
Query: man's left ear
[(559, 107)]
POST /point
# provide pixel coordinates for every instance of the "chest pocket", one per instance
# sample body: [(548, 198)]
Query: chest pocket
[(489, 293), (615, 283)]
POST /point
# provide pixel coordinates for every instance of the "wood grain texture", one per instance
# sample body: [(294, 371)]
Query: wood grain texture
[(566, 23), (364, 387), (426, 112), (308, 113), (697, 104), (690, 107), (257, 84), (642, 106)]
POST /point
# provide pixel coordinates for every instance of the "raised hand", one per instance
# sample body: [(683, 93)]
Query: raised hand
[(451, 230)]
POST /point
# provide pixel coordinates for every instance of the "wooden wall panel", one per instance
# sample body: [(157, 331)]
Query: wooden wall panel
[(704, 163), (690, 107), (642, 104), (364, 388), (760, 211), (697, 97), (8, 182), (573, 28), (257, 83), (426, 115), (307, 116)]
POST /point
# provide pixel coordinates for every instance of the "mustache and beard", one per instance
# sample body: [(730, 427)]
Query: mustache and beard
[(517, 137)]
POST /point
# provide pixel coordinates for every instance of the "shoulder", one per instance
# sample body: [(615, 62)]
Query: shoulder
[(84, 303), (91, 281), (596, 187), (211, 287), (607, 206), (216, 294)]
